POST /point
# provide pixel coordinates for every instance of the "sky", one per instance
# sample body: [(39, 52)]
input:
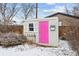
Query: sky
[(45, 9)]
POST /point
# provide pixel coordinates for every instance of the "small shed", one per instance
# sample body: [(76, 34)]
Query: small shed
[(42, 31)]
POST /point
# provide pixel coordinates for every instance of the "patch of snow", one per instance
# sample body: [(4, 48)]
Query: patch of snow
[(31, 50)]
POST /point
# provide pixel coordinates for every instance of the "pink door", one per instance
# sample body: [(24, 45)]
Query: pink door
[(43, 32)]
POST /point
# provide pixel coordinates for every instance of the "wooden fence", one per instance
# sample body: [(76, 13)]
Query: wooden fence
[(66, 30), (71, 34), (11, 28), (63, 30)]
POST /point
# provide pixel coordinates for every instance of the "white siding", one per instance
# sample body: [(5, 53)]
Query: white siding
[(53, 35), (30, 34)]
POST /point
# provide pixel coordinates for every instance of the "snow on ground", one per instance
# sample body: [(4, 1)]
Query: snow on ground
[(32, 50)]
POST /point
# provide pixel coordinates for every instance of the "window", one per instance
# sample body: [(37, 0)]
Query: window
[(31, 27)]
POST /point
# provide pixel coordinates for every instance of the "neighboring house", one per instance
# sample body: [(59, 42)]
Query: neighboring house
[(65, 22)]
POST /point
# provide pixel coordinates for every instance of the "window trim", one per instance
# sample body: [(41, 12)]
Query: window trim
[(31, 26)]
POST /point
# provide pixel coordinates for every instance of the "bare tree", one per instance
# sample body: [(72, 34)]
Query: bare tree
[(75, 10), (67, 11), (7, 12), (27, 10)]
